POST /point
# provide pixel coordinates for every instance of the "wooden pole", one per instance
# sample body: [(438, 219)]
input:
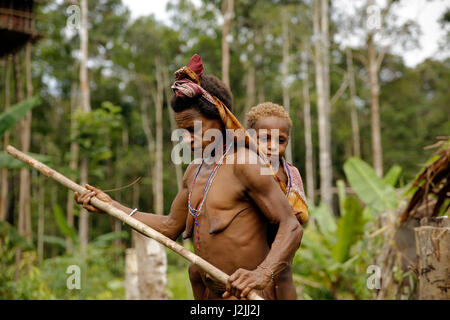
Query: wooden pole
[(119, 214)]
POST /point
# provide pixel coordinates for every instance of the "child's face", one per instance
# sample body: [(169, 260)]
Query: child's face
[(266, 143)]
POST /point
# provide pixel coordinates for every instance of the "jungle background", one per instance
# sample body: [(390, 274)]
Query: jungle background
[(96, 108)]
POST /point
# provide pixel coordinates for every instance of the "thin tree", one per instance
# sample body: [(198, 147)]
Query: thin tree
[(18, 81), (285, 67), (25, 139), (86, 106), (158, 98), (227, 12), (74, 154), (353, 112), (376, 24), (4, 181), (374, 63), (151, 257), (320, 29), (309, 157), (178, 168)]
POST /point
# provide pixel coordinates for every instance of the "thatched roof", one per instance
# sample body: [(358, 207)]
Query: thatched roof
[(432, 187)]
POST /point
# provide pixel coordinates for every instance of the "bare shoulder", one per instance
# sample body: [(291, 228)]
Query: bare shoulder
[(189, 173), (250, 169)]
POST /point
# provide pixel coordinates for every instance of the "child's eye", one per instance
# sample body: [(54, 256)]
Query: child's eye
[(282, 140)]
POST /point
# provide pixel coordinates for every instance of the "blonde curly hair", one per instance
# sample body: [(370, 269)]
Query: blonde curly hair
[(266, 109)]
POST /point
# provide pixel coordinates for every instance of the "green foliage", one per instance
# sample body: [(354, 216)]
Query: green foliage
[(350, 226), (335, 252), (178, 284), (102, 272), (9, 162), (92, 130), (102, 269), (393, 175), (379, 195), (21, 281), (62, 223), (10, 117)]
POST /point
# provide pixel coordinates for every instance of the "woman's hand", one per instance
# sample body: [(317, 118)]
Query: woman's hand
[(241, 282), (86, 196)]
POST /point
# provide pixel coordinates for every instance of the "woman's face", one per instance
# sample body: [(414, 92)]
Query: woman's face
[(267, 138), (187, 119)]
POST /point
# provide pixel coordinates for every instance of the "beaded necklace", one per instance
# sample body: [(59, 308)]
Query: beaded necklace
[(195, 212)]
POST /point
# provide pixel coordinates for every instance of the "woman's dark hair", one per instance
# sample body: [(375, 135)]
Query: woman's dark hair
[(216, 88)]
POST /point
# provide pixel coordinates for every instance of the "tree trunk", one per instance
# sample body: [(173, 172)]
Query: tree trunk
[(25, 139), (117, 225), (308, 131), (151, 256), (18, 81), (159, 99), (377, 150), (322, 84), (131, 275), (152, 268), (146, 126), (433, 249), (4, 187), (84, 79), (73, 164), (178, 168), (353, 111), (146, 265), (41, 219), (259, 44), (83, 225), (86, 105), (286, 58), (227, 12), (250, 94)]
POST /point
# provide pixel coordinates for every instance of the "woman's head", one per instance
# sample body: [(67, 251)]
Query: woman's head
[(189, 110), (264, 119)]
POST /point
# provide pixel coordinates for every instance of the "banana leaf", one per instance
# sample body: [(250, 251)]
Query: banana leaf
[(350, 226), (10, 117), (341, 195), (392, 176), (372, 190), (55, 240), (325, 221)]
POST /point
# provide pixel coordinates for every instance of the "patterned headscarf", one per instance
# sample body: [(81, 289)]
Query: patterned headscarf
[(187, 84)]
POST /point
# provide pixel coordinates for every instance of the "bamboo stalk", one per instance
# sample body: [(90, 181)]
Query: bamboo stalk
[(119, 214)]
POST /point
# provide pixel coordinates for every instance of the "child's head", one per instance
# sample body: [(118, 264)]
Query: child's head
[(268, 116)]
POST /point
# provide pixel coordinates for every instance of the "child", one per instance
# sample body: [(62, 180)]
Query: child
[(263, 118), (269, 116)]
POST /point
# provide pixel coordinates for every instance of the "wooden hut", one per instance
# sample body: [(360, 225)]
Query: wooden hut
[(17, 25)]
